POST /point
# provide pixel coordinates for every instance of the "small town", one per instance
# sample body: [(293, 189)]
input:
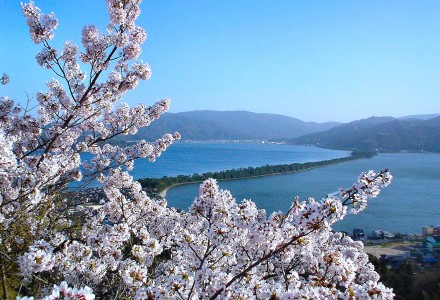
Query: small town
[(422, 249)]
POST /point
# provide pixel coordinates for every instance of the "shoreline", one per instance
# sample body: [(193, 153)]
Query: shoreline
[(164, 192)]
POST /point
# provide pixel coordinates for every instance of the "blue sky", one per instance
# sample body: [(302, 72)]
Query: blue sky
[(313, 60)]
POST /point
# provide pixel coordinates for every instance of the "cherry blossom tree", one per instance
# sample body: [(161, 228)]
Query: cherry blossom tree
[(135, 246)]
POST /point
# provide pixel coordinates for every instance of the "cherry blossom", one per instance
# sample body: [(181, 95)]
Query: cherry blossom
[(4, 79), (64, 292), (136, 246)]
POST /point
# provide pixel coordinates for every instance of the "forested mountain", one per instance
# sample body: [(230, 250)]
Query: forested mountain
[(240, 125), (259, 125), (421, 117), (412, 133), (384, 134)]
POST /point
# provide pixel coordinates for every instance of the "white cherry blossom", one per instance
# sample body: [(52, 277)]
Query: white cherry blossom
[(135, 246)]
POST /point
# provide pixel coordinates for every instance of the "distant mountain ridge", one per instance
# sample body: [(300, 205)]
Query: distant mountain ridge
[(421, 117), (229, 125), (381, 133), (259, 125), (412, 133)]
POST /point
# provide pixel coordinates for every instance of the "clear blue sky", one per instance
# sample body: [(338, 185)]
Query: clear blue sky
[(313, 60)]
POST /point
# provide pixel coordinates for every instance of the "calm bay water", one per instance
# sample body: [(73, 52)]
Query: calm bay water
[(410, 202), (190, 158)]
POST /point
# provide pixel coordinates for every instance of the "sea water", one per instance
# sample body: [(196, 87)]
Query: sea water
[(185, 158), (189, 158), (410, 202)]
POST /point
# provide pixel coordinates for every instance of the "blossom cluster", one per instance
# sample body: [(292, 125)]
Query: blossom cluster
[(135, 246), (219, 248), (41, 26), (231, 250), (40, 151), (4, 79), (64, 292)]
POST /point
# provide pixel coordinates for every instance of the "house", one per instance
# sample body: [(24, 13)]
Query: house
[(382, 234), (430, 230), (430, 260), (377, 234), (358, 234), (414, 236), (433, 243)]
